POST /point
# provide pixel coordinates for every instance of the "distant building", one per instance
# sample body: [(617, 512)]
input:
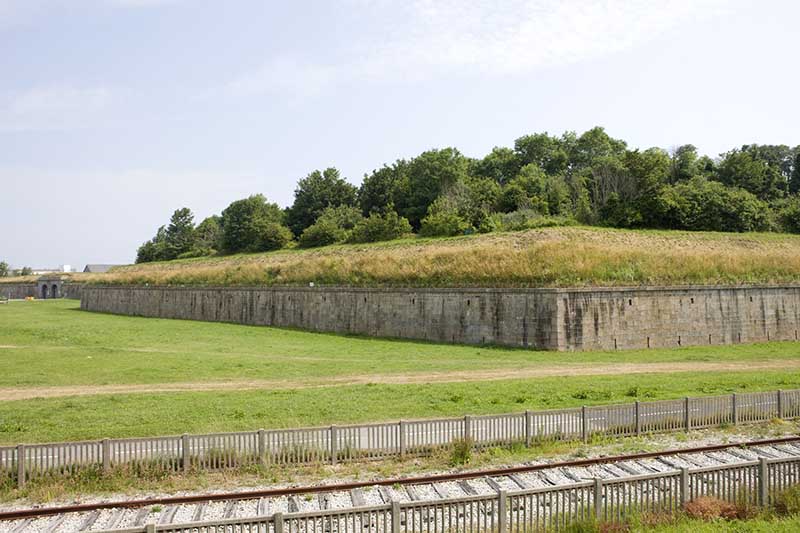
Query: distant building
[(98, 269)]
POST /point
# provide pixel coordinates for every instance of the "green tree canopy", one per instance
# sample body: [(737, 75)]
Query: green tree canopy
[(252, 225), (315, 193), (180, 236)]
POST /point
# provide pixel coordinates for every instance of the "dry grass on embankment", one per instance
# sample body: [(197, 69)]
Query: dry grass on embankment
[(571, 256)]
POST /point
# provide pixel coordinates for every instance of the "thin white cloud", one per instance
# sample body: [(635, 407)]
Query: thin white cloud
[(53, 107), (428, 38)]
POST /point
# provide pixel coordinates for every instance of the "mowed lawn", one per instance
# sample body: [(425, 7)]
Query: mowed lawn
[(49, 346)]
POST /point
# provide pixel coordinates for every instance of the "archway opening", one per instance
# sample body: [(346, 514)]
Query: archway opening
[(54, 291), (44, 292)]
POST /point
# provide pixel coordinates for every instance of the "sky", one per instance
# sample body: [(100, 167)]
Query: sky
[(113, 113)]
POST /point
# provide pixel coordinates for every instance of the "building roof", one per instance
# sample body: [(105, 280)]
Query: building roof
[(98, 268)]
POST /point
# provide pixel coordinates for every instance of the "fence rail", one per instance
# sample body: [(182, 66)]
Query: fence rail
[(335, 444), (542, 509)]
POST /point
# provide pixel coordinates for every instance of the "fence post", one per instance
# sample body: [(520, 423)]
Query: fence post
[(687, 418), (502, 506), (584, 426), (467, 427), (763, 482), (395, 516), (780, 403), (598, 498), (402, 437), (185, 451), (278, 518), (20, 465), (262, 446), (528, 428), (334, 445), (684, 486), (150, 528), (735, 411), (106, 455), (638, 419)]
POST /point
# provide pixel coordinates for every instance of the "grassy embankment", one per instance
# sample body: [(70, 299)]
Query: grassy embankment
[(240, 377), (567, 256)]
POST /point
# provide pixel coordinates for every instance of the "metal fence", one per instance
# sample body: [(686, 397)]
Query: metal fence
[(542, 509), (391, 439)]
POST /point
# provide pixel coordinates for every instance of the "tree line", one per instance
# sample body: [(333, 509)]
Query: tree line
[(6, 272), (542, 180)]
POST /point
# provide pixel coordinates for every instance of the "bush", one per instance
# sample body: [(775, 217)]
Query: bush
[(789, 216), (273, 236), (700, 204), (461, 452), (333, 226), (380, 227), (787, 503), (443, 224), (197, 252), (524, 219), (322, 233), (708, 508)]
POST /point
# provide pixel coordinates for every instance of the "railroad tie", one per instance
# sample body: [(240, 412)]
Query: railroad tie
[(292, 505), (115, 519), (437, 488), (493, 483), (357, 497), (89, 521), (468, 489), (386, 494), (22, 525), (199, 511), (521, 483), (168, 514), (230, 507), (568, 473), (324, 499), (761, 452), (262, 508), (412, 493), (55, 525), (141, 516)]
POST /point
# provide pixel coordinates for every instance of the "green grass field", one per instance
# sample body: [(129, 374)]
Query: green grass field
[(139, 376)]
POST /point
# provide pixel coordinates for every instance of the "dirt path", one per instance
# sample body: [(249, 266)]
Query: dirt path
[(15, 393)]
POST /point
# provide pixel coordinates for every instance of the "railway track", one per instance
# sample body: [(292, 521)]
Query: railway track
[(181, 509)]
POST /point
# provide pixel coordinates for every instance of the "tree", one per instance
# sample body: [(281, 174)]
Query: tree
[(26, 271), (501, 165), (154, 249), (741, 169), (253, 225), (794, 180), (683, 163), (3, 269), (315, 193), (701, 204), (429, 174), (381, 189), (546, 152), (179, 236), (593, 145), (208, 233)]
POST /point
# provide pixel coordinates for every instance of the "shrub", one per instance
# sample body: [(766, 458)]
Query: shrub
[(197, 252), (789, 216), (380, 227), (708, 508), (524, 219), (443, 224), (788, 502), (461, 452), (322, 233), (273, 236), (333, 226)]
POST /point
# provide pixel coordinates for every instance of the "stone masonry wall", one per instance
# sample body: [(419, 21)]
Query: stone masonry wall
[(551, 319)]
